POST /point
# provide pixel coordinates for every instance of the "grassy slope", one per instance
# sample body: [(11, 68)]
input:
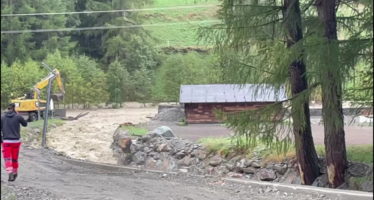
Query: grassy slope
[(135, 131), (181, 35), (355, 153)]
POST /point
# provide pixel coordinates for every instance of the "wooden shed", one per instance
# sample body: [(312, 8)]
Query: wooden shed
[(201, 101)]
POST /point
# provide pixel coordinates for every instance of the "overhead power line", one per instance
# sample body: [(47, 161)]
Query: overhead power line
[(105, 27), (108, 11)]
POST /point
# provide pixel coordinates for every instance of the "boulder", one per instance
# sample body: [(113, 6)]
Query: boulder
[(243, 163), (236, 159), (170, 114), (321, 181), (147, 150), (120, 133), (230, 166), (135, 147), (125, 144), (177, 145), (358, 169), (279, 168), (151, 163), (367, 186), (266, 175), (168, 165), (180, 154), (255, 164), (186, 161), (215, 161), (124, 159), (139, 158), (249, 170), (222, 170), (154, 155), (163, 131), (163, 148), (201, 154)]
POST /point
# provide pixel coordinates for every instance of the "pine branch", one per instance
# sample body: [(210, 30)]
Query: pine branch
[(256, 68), (310, 3), (349, 4)]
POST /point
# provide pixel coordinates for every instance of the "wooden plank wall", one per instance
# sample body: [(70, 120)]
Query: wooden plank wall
[(204, 112)]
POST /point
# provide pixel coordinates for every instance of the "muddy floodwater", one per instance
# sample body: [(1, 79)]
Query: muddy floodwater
[(89, 138)]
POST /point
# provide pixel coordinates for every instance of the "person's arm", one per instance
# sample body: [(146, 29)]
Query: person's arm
[(22, 121)]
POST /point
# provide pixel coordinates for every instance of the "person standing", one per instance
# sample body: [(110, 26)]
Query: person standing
[(11, 123)]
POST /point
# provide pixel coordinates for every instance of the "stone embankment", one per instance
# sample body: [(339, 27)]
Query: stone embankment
[(161, 150)]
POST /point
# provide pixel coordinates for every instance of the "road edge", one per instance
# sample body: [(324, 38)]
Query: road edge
[(339, 193)]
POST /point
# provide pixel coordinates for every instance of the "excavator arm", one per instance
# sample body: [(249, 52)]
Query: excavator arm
[(59, 81), (58, 96), (31, 104), (54, 74)]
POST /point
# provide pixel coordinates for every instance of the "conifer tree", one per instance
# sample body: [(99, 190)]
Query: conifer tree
[(262, 42), (337, 57), (268, 37)]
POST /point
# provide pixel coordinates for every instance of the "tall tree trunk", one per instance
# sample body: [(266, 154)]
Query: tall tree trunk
[(305, 151), (336, 159)]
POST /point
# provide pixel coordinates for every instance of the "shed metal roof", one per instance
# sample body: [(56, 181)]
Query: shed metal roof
[(230, 93)]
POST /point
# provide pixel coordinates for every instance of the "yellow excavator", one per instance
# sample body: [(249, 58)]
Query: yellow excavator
[(31, 104)]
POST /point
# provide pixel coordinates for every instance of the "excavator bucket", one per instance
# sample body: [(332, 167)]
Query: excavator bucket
[(57, 97)]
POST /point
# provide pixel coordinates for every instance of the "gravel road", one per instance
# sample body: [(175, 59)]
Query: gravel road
[(45, 175)]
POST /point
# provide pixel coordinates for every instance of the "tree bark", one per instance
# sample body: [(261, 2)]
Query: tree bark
[(305, 151), (336, 159)]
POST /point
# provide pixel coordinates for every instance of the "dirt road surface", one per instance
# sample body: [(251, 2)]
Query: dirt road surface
[(44, 175)]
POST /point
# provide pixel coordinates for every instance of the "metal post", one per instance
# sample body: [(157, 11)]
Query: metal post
[(44, 138), (38, 107)]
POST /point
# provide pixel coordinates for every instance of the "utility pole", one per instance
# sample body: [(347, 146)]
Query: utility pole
[(44, 137)]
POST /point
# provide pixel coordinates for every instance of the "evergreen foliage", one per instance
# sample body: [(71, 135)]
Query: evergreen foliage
[(184, 69)]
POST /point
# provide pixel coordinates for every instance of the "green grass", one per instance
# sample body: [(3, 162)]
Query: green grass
[(51, 122), (135, 131), (217, 145), (179, 35), (355, 153)]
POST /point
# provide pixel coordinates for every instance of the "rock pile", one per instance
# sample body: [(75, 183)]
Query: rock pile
[(161, 150), (353, 178), (170, 115)]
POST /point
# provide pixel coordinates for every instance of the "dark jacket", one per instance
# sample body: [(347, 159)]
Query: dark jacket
[(10, 126)]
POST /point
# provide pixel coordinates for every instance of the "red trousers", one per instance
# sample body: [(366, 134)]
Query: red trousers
[(10, 154)]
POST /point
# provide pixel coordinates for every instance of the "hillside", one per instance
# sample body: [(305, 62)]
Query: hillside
[(180, 34)]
